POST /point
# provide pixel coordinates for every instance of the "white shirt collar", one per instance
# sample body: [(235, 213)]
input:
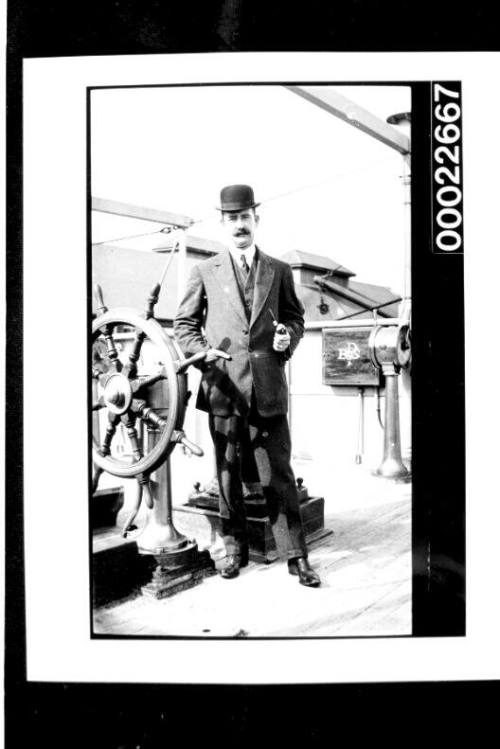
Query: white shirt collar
[(249, 254)]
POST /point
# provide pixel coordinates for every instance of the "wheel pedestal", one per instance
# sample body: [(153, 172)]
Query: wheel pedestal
[(178, 570), (179, 563)]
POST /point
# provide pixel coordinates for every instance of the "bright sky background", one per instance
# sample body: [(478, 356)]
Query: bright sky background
[(325, 186)]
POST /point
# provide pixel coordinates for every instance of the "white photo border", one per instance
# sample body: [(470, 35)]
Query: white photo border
[(59, 645)]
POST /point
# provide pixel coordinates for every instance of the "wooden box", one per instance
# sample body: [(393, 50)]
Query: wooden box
[(346, 357)]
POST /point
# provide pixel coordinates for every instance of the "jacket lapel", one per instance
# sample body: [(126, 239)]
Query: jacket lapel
[(224, 273), (263, 282)]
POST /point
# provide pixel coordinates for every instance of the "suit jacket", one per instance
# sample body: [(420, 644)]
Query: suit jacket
[(212, 314)]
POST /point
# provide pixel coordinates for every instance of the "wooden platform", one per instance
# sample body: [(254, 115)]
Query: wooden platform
[(204, 524), (365, 566)]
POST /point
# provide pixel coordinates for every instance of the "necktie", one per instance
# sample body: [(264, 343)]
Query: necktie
[(244, 265)]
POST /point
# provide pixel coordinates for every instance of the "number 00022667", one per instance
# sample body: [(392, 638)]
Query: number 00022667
[(447, 168)]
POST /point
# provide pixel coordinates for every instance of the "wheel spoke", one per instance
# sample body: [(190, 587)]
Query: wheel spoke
[(143, 480), (128, 421), (95, 478), (137, 406), (143, 490), (113, 421), (148, 415), (129, 522), (111, 346), (134, 354), (105, 449), (147, 381)]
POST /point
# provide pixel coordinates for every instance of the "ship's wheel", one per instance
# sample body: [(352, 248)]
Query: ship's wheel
[(139, 394)]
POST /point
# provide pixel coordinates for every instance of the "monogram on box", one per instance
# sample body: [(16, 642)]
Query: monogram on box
[(346, 357)]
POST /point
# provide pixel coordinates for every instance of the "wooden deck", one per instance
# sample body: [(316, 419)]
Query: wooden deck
[(365, 567)]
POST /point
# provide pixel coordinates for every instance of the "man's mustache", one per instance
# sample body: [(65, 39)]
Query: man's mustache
[(241, 233)]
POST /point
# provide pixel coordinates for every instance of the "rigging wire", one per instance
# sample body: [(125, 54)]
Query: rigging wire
[(342, 175), (130, 236)]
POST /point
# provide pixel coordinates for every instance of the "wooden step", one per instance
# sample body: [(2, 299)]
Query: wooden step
[(118, 570), (105, 506)]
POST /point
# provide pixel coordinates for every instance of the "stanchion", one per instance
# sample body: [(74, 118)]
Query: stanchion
[(361, 425), (392, 465), (389, 349)]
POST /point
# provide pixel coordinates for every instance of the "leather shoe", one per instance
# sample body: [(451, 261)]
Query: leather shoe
[(307, 576), (230, 566)]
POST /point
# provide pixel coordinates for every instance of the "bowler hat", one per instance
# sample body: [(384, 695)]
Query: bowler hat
[(237, 198)]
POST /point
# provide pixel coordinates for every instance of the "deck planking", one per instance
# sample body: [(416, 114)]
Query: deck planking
[(365, 567)]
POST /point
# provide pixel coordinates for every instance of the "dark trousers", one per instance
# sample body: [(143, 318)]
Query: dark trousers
[(269, 441)]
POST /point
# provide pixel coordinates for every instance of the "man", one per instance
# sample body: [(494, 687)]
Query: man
[(243, 302)]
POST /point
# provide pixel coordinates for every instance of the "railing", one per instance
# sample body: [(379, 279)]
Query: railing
[(366, 322)]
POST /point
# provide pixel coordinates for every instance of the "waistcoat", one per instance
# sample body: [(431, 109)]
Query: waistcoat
[(246, 285)]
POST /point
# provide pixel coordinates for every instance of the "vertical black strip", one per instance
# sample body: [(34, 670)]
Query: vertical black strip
[(89, 351), (15, 617), (439, 407)]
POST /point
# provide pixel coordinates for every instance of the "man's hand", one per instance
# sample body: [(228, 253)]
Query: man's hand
[(213, 354), (281, 341)]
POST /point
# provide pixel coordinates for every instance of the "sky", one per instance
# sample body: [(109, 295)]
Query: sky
[(325, 186)]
